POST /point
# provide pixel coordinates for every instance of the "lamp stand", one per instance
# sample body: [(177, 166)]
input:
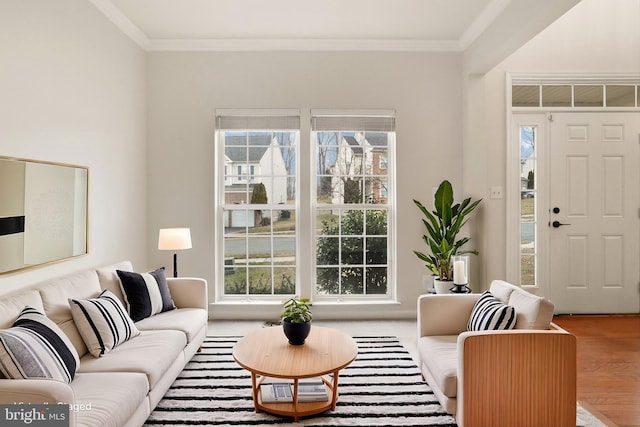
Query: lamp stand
[(175, 264)]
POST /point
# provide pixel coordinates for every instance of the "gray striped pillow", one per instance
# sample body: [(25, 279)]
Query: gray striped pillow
[(489, 313), (35, 347), (103, 322)]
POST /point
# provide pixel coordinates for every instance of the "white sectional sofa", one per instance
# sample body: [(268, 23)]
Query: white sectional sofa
[(122, 387)]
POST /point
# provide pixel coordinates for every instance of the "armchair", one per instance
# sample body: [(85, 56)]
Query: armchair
[(521, 377)]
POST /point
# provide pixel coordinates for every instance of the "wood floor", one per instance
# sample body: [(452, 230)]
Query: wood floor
[(608, 365)]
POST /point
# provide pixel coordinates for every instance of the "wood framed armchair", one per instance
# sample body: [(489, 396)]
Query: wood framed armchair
[(521, 377)]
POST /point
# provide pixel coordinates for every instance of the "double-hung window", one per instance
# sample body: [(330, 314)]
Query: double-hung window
[(258, 203), (353, 231), (305, 214)]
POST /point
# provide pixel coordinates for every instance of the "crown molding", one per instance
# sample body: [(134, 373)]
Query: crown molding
[(121, 21), (229, 45), (125, 25), (482, 22)]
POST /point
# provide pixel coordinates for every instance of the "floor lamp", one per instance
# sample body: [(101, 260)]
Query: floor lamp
[(174, 239)]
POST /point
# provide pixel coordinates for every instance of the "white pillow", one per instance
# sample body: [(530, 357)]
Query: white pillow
[(489, 313), (35, 347), (103, 322)]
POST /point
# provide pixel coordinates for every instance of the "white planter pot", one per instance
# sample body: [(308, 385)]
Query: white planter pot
[(442, 286), (427, 283)]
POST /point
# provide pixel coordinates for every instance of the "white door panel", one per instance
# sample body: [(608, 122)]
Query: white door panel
[(594, 239)]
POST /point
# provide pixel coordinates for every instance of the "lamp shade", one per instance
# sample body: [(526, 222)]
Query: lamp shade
[(173, 239)]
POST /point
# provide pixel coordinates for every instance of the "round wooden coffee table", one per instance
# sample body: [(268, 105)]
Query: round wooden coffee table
[(266, 353)]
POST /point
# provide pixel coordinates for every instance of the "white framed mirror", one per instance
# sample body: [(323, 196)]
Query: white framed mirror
[(44, 211)]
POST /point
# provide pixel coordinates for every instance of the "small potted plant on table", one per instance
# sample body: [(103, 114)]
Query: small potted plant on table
[(296, 320)]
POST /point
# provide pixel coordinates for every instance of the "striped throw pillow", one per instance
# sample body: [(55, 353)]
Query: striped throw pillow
[(489, 313), (35, 347), (103, 322), (145, 294)]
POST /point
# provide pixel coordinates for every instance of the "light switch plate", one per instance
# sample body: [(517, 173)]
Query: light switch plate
[(496, 192)]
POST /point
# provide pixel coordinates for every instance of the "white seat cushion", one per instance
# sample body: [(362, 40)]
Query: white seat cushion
[(532, 311), (151, 352), (187, 320), (502, 290), (55, 300), (108, 277), (12, 305), (113, 397), (439, 354)]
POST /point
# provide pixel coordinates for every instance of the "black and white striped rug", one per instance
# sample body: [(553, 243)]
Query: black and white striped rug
[(382, 387)]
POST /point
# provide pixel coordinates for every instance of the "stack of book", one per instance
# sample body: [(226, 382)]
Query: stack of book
[(282, 392)]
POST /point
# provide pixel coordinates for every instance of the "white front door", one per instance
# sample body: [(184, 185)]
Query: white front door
[(594, 212)]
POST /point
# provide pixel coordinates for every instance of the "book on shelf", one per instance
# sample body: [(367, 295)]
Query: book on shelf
[(276, 393), (282, 392)]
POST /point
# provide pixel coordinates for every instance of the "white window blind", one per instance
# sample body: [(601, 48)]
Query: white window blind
[(350, 121), (232, 122)]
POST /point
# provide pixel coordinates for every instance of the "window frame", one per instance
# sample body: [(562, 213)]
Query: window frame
[(366, 121), (221, 207)]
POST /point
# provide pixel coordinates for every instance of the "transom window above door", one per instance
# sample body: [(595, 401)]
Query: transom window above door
[(575, 95)]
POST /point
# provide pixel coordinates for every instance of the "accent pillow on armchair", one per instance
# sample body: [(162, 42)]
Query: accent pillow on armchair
[(489, 313)]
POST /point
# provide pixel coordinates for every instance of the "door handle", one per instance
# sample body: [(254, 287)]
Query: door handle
[(557, 224)]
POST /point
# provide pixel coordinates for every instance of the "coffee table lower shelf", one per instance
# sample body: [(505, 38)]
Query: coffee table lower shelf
[(296, 409), (290, 410)]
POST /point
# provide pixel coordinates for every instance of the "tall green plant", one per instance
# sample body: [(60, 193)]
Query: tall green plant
[(443, 225)]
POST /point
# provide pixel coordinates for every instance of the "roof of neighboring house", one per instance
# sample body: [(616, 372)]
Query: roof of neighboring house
[(353, 143), (377, 140), (236, 147)]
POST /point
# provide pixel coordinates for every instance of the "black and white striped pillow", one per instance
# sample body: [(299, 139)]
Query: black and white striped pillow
[(145, 294), (35, 347), (103, 322), (489, 313)]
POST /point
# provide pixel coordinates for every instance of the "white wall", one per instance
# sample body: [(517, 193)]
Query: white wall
[(185, 89), (596, 36), (72, 90)]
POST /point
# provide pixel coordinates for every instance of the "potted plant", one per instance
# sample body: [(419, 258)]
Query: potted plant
[(443, 225), (296, 319)]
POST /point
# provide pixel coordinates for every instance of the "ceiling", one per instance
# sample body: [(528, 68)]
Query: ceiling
[(383, 25)]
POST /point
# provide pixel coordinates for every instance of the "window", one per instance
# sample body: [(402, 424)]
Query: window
[(383, 161), (528, 192), (578, 96), (353, 232), (259, 237), (330, 243)]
